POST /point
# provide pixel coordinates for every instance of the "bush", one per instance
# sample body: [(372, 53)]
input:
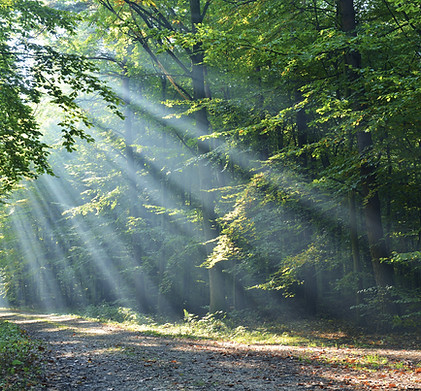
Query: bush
[(387, 308), (107, 312), (19, 358)]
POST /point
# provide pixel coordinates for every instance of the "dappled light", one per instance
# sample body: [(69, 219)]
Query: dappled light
[(127, 357), (225, 194)]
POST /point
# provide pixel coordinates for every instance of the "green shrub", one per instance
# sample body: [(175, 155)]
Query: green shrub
[(19, 358), (107, 312), (387, 308), (212, 323)]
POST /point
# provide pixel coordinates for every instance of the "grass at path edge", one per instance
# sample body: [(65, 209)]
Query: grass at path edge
[(19, 358)]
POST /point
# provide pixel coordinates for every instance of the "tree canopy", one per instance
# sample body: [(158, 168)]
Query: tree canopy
[(269, 153), (32, 70)]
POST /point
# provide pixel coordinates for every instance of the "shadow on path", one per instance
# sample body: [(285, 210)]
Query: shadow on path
[(85, 355)]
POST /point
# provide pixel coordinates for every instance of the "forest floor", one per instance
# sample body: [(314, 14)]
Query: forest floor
[(80, 354)]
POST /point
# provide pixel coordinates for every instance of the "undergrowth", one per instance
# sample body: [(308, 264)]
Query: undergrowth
[(106, 312), (237, 326), (19, 358), (248, 328)]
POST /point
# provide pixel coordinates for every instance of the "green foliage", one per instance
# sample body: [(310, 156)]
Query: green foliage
[(411, 259), (272, 189), (248, 327), (19, 358), (211, 323), (29, 71), (112, 313), (386, 308)]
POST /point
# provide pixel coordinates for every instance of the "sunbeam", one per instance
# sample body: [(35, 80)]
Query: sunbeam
[(244, 173), (45, 290)]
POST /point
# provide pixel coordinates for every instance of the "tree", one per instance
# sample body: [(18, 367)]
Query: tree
[(154, 28), (29, 71), (287, 156), (376, 240)]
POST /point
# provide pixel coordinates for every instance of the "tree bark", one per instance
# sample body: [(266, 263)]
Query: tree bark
[(134, 211), (302, 130), (355, 249), (383, 272), (210, 228)]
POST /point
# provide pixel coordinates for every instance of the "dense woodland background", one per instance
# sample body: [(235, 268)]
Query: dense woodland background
[(227, 155)]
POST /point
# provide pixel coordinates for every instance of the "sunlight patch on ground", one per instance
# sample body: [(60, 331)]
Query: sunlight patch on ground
[(95, 331), (149, 342)]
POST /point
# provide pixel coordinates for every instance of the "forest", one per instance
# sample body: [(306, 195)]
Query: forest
[(190, 157)]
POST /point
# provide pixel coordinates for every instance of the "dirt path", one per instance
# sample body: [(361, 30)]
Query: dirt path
[(84, 355)]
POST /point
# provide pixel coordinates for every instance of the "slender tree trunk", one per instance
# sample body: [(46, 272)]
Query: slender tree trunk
[(383, 272), (217, 300), (355, 249), (262, 138), (162, 305), (138, 275), (302, 130), (216, 278)]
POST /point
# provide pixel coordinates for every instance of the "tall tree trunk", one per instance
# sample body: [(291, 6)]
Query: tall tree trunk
[(355, 249), (302, 130), (383, 272), (262, 137), (210, 228), (134, 211)]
